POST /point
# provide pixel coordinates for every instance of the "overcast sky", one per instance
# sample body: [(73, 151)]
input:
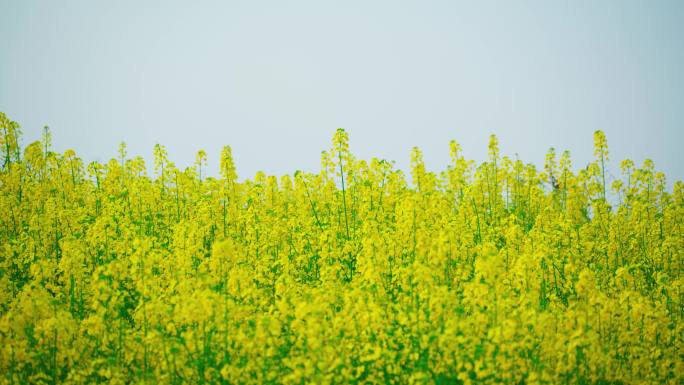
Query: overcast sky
[(274, 79)]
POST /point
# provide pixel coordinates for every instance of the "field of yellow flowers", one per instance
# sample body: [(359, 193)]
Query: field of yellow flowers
[(486, 273)]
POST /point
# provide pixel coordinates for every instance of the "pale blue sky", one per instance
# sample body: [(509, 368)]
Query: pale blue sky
[(274, 79)]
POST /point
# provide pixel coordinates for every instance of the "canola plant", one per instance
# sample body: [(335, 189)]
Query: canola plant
[(490, 273)]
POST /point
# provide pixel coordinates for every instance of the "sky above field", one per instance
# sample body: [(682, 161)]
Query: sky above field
[(274, 79)]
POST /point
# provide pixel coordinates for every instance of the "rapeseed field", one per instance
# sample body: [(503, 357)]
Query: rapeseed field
[(492, 273)]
